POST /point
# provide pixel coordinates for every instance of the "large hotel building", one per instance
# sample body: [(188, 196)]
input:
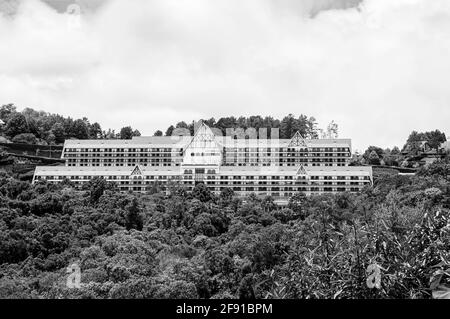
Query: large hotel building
[(275, 167)]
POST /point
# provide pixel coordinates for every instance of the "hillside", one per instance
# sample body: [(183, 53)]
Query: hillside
[(197, 245)]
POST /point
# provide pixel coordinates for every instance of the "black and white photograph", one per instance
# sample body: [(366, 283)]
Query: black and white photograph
[(228, 156)]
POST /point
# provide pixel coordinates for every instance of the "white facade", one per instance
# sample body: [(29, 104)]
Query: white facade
[(278, 168)]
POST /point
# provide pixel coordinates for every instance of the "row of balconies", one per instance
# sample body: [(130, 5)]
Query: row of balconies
[(119, 155), (121, 150), (286, 149), (286, 179), (284, 154), (222, 183), (226, 157), (243, 191), (225, 150), (248, 187), (84, 160), (159, 164)]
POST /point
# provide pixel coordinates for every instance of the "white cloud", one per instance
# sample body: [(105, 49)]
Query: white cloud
[(379, 70)]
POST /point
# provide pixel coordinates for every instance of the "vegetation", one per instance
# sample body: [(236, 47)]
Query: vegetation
[(433, 138), (198, 245), (288, 126), (38, 127), (417, 147)]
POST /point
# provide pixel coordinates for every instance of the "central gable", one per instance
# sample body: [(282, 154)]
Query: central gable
[(203, 148)]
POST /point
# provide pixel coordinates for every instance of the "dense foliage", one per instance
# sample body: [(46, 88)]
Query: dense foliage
[(37, 127), (288, 126), (433, 138), (418, 146), (198, 245), (32, 127)]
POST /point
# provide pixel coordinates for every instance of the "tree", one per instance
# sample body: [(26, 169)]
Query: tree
[(211, 122), (288, 127), (415, 140), (170, 130), (95, 131), (133, 219), (79, 130), (390, 160), (311, 128), (6, 111), (332, 130), (435, 139), (374, 159), (25, 138), (297, 203), (395, 151), (181, 124), (307, 127), (136, 133), (202, 193), (378, 150), (158, 133), (226, 195), (51, 139), (246, 290), (126, 133), (58, 133), (110, 134), (17, 124), (97, 187)]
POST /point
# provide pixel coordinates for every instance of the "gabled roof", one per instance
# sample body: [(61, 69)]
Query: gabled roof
[(301, 171), (136, 171), (203, 134), (297, 141)]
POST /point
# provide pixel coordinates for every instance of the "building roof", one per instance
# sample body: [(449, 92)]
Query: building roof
[(293, 170), (141, 142), (339, 170), (183, 141), (226, 141), (225, 170), (104, 170)]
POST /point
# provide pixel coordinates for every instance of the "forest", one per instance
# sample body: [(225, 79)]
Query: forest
[(390, 241), (199, 245), (38, 127), (41, 128)]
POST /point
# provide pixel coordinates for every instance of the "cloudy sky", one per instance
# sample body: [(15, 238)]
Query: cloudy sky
[(379, 68)]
